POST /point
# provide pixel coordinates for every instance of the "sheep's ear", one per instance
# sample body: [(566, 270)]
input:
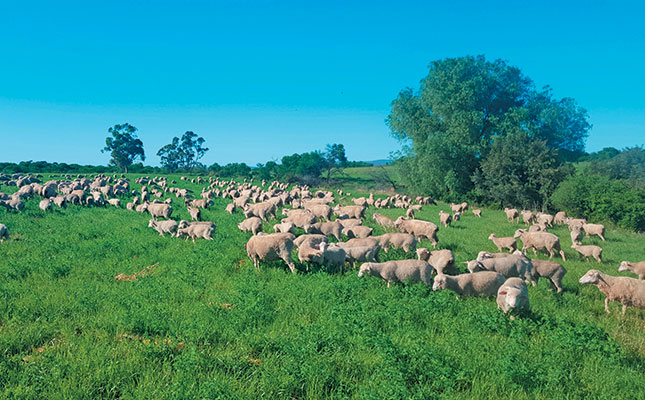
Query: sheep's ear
[(502, 292)]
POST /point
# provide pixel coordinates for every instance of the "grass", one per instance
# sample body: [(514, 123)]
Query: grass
[(205, 324)]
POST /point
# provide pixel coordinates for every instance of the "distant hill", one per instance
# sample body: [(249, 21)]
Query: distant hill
[(378, 163)]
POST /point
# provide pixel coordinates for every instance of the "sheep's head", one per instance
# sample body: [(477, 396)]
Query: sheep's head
[(624, 266), (519, 233), (483, 255), (492, 236), (474, 266), (366, 268), (593, 276), (512, 296), (423, 253), (439, 282)]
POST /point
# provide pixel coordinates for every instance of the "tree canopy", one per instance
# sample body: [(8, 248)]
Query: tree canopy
[(183, 153), (449, 125), (124, 146)]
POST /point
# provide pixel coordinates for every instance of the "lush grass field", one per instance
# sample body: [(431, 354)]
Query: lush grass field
[(205, 324)]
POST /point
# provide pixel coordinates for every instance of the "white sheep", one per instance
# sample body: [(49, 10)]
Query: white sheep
[(636, 267), (589, 250), (594, 230), (162, 227), (509, 242), (195, 213), (252, 224), (4, 232), (539, 241), (513, 296), (399, 271), (627, 291), (550, 270), (45, 205), (515, 265), (484, 283)]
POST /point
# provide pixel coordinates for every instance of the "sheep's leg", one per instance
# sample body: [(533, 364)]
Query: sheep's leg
[(388, 284), (607, 305), (624, 308)]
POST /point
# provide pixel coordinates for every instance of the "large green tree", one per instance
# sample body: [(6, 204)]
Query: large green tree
[(124, 146), (448, 125), (335, 158), (183, 153)]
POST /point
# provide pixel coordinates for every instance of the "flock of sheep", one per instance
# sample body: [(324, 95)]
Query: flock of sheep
[(491, 274)]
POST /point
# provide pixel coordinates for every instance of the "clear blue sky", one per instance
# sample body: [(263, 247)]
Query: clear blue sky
[(261, 79)]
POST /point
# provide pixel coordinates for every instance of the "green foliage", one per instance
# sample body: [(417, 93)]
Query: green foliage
[(448, 125), (335, 159), (124, 147), (628, 164), (183, 153), (231, 170), (601, 198)]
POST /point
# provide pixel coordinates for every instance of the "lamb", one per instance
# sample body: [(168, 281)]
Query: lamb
[(477, 212), (512, 214), (197, 230), (508, 242), (230, 208), (195, 213), (627, 291), (445, 218), (252, 224), (513, 296), (550, 270), (382, 220), (332, 228), (399, 271), (512, 266), (484, 283), (276, 246), (539, 241), (159, 210), (594, 230), (4, 232), (528, 217), (45, 205), (576, 234), (589, 250), (418, 228), (284, 227), (560, 218), (636, 267), (162, 227), (443, 261), (358, 231), (397, 240)]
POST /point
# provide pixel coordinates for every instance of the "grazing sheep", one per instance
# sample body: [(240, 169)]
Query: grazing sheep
[(159, 210), (195, 213), (539, 241), (512, 214), (300, 219), (571, 222), (197, 230), (382, 220), (162, 227), (276, 246), (418, 228), (309, 240), (141, 208), (537, 228), (4, 232), (230, 208), (45, 205), (636, 267), (399, 271), (560, 218), (355, 254), (357, 212), (252, 224), (358, 231), (576, 234), (589, 250), (114, 202), (443, 261), (130, 206), (545, 219), (59, 201), (528, 217), (513, 296), (262, 210), (320, 211), (509, 242), (309, 253), (594, 230), (284, 227), (484, 254), (409, 213), (515, 265), (484, 283), (349, 222), (477, 212), (445, 218), (397, 240), (330, 228), (550, 270), (627, 291), (333, 256)]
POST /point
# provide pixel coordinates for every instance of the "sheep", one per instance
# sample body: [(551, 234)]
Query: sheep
[(445, 218), (512, 266), (252, 224), (594, 230), (276, 246), (59, 201), (349, 222), (513, 296), (197, 230), (309, 240), (358, 231), (545, 219), (397, 240), (627, 291), (45, 205), (443, 261), (589, 250), (512, 214), (484, 283), (162, 227), (309, 253), (537, 228), (4, 232), (576, 234), (300, 219), (159, 210), (528, 217), (550, 270), (384, 221), (636, 267), (320, 211), (230, 208), (477, 212), (355, 254), (539, 241), (508, 242), (141, 208), (262, 210), (418, 228), (284, 227), (571, 222), (195, 213), (331, 228), (333, 256), (560, 218), (399, 271), (130, 206), (456, 216), (484, 254)]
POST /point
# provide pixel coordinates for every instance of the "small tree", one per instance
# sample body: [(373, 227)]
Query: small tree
[(335, 158), (124, 146), (183, 153)]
